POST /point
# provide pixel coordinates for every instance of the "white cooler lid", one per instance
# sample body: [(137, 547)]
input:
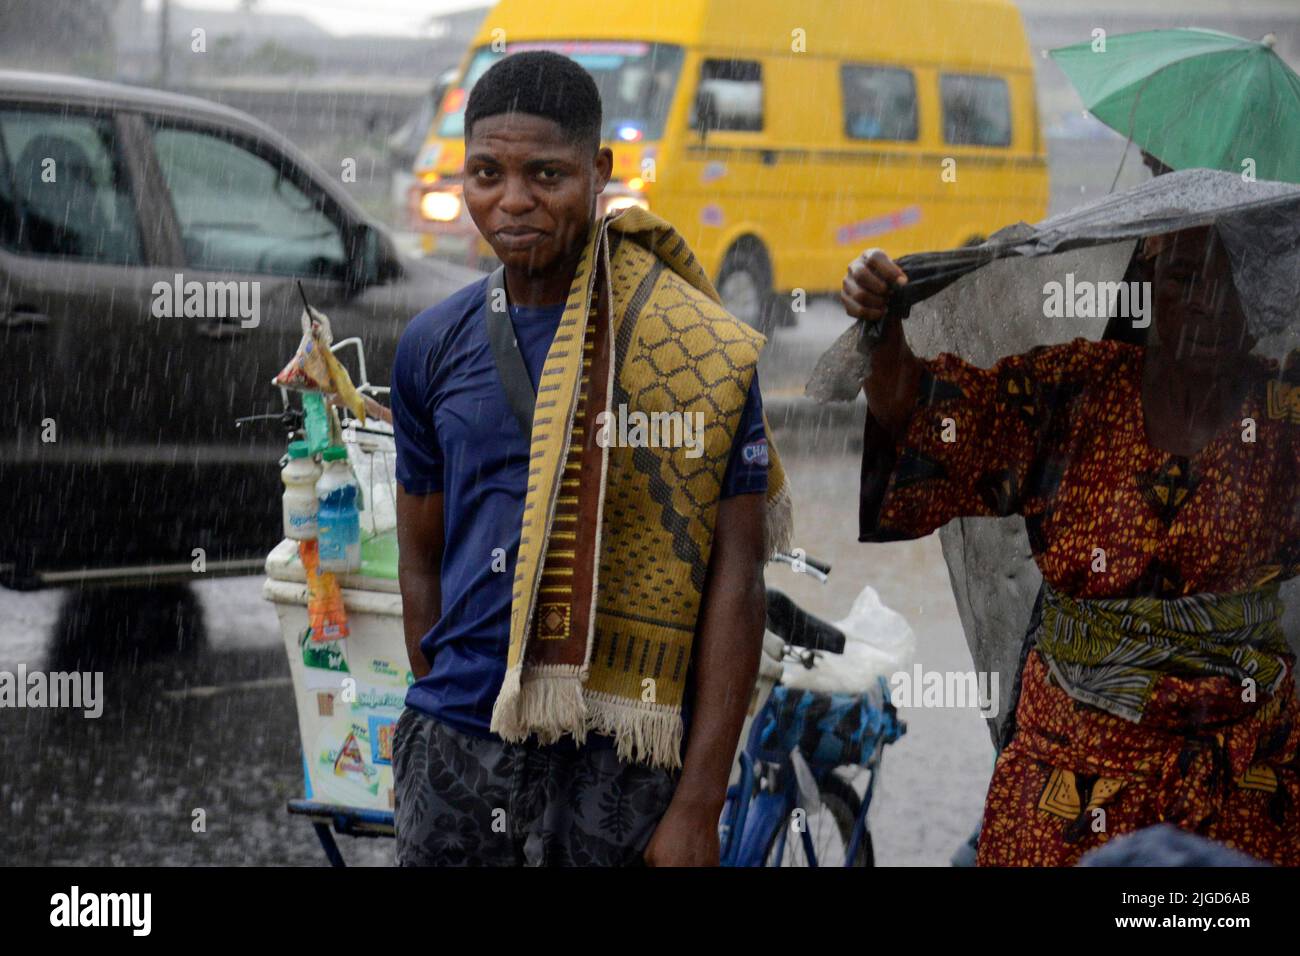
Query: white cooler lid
[(282, 564)]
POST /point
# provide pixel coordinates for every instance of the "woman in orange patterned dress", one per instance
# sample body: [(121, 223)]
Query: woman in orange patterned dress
[(1158, 486)]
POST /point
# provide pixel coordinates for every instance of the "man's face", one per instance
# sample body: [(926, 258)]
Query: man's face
[(531, 190), (1198, 315)]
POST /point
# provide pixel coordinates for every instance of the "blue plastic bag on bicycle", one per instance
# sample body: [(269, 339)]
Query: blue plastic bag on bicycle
[(830, 730)]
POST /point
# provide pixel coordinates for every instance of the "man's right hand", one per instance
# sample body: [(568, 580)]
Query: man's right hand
[(872, 277)]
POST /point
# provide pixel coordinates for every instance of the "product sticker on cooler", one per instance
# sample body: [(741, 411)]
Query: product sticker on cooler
[(324, 665), (381, 739)]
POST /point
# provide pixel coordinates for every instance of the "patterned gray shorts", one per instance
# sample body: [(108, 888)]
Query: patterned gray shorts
[(469, 801)]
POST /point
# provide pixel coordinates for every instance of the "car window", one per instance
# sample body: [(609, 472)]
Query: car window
[(732, 93), (239, 213), (976, 110), (64, 190), (879, 102)]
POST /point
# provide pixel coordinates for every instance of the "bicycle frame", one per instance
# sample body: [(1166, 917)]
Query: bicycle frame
[(768, 790), (752, 817)]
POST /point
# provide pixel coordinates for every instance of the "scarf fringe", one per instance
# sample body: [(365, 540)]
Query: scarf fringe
[(643, 733), (778, 521), (552, 703), (547, 702)]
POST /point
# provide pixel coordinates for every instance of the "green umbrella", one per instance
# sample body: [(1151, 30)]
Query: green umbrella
[(1194, 98)]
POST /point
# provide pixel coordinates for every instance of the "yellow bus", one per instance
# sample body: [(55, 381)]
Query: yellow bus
[(780, 138)]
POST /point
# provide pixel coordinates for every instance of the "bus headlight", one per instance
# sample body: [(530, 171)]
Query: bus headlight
[(440, 206)]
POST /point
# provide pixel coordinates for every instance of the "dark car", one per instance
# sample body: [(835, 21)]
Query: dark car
[(119, 386)]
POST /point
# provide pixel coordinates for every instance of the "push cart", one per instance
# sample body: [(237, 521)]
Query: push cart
[(350, 692)]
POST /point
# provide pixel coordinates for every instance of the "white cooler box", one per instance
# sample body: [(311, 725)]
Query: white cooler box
[(349, 693)]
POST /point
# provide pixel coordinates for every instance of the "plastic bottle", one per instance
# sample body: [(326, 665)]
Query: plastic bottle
[(338, 522), (299, 476)]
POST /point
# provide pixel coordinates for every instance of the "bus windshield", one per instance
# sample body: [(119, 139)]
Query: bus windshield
[(636, 82)]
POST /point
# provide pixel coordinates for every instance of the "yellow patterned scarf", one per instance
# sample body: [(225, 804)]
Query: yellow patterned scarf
[(616, 535)]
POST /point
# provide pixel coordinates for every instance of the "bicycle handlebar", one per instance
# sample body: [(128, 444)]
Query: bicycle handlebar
[(804, 562), (812, 562)]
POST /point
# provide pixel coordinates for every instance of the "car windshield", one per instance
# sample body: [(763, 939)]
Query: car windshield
[(636, 82)]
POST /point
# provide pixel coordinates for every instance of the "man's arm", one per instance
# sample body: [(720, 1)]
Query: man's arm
[(728, 641), (419, 570)]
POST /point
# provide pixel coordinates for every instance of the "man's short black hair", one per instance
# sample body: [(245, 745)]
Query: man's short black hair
[(540, 83)]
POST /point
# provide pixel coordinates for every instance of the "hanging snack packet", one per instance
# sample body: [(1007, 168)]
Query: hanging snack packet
[(325, 611), (314, 368)]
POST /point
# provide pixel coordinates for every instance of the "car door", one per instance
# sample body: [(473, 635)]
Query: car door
[(80, 357)]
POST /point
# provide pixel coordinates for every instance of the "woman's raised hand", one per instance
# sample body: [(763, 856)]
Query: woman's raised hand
[(872, 277)]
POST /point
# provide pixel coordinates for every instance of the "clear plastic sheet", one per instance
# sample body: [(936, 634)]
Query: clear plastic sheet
[(994, 292)]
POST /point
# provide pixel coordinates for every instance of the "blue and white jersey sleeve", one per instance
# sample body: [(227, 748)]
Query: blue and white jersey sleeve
[(747, 469)]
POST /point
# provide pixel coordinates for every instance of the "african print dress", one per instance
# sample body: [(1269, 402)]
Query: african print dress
[(1163, 690)]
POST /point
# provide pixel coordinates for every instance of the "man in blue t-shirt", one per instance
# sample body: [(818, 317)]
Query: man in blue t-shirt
[(533, 170)]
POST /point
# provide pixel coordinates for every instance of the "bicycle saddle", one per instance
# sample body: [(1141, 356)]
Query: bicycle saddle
[(801, 628)]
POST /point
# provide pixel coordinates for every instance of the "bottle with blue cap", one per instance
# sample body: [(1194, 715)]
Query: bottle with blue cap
[(338, 517)]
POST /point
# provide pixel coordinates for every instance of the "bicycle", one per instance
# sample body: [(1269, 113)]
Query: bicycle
[(794, 801)]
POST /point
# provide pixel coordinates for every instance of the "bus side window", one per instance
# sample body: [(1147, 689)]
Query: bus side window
[(879, 102), (976, 110), (729, 97)]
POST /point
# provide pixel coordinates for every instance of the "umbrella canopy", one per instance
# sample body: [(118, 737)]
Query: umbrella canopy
[(1194, 98)]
